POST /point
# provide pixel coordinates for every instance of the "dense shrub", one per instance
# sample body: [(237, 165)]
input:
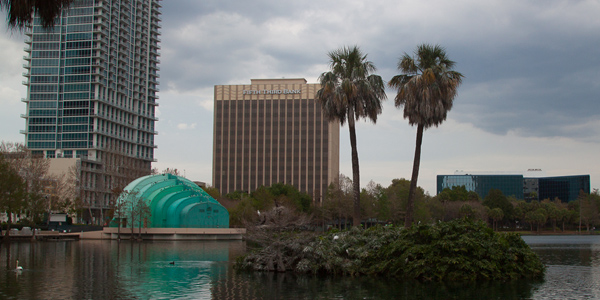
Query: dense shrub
[(459, 250)]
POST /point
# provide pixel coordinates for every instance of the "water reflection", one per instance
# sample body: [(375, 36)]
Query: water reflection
[(112, 270), (202, 270), (573, 266), (290, 286)]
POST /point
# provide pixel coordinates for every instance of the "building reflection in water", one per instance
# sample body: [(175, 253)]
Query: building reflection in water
[(113, 270)]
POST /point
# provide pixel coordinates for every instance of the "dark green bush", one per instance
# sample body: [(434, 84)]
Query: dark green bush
[(459, 250)]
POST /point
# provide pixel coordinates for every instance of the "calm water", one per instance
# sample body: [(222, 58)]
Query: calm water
[(202, 270)]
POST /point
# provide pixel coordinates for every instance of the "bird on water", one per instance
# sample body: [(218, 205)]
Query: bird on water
[(19, 268)]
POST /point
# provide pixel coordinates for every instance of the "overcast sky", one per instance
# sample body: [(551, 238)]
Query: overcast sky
[(529, 99)]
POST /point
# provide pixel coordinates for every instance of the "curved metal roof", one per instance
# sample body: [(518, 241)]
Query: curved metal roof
[(173, 202)]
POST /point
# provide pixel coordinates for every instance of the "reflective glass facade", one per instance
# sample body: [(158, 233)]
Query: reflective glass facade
[(565, 188), (92, 83), (510, 185)]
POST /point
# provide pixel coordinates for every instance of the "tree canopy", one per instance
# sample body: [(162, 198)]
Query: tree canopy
[(13, 190)]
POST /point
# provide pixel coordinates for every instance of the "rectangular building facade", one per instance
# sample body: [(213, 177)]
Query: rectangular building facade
[(92, 83), (510, 185), (565, 188), (273, 131)]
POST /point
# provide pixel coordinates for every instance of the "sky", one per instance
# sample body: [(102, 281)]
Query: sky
[(530, 98)]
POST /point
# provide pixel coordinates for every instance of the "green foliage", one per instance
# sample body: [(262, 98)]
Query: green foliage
[(237, 195), (212, 191), (496, 199), (460, 250), (264, 199), (13, 190), (299, 199)]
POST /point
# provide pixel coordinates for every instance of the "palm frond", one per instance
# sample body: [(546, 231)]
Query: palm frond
[(20, 13), (427, 85)]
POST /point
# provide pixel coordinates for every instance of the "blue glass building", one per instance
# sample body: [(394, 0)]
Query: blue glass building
[(565, 188), (510, 185), (92, 84)]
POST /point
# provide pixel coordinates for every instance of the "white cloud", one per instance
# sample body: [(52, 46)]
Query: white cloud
[(184, 126)]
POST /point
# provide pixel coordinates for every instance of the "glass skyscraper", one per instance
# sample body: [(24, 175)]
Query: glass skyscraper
[(92, 83)]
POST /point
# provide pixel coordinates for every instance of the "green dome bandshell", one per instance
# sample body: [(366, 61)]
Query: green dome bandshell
[(173, 202)]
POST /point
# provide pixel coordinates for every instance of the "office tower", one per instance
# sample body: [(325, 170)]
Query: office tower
[(92, 83), (273, 131), (565, 188)]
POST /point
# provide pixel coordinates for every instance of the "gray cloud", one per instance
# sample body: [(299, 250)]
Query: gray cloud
[(530, 67)]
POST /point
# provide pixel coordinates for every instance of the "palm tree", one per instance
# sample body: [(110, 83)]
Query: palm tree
[(426, 89), (349, 92), (19, 13)]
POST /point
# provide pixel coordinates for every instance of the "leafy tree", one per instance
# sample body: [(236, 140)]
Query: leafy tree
[(538, 217), (337, 201), (39, 186), (349, 91), (496, 199), (496, 214), (212, 191), (20, 13), (458, 193), (375, 202), (589, 211), (397, 194), (467, 211), (300, 200), (12, 192), (262, 199), (553, 211), (426, 89)]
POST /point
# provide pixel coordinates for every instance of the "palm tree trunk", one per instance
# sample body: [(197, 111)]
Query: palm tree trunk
[(355, 170), (413, 180)]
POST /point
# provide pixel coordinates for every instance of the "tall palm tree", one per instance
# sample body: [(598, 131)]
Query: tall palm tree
[(19, 13), (349, 92), (426, 88)]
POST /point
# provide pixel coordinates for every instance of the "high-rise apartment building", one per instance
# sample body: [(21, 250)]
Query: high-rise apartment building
[(92, 83), (273, 131)]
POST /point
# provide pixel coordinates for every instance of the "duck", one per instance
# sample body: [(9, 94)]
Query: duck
[(172, 263), (19, 268)]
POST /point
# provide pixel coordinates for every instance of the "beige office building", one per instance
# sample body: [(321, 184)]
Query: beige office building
[(273, 131)]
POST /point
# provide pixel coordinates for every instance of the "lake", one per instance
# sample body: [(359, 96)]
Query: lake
[(202, 270)]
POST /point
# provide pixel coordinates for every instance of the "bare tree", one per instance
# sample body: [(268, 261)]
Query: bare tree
[(171, 171), (107, 177), (138, 211), (34, 171)]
